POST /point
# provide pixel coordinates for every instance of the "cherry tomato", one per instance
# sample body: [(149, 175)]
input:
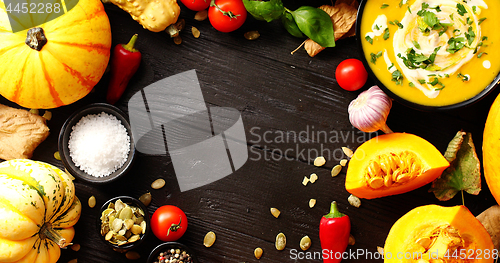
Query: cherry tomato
[(196, 5), (169, 223), (351, 74), (227, 15)]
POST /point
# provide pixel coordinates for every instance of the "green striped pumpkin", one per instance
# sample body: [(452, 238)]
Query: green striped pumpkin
[(38, 209), (62, 70)]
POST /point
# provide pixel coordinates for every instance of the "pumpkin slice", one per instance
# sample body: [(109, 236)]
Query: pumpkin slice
[(435, 233), (392, 164), (491, 149)]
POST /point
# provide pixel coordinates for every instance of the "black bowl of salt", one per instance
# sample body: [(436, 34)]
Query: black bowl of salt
[(96, 143)]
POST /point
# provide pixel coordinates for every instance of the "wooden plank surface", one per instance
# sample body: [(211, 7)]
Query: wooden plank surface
[(285, 101)]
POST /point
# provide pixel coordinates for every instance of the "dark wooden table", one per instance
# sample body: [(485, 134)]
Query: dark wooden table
[(277, 94)]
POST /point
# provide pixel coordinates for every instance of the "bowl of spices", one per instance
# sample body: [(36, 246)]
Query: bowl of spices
[(123, 223), (172, 252), (96, 144)]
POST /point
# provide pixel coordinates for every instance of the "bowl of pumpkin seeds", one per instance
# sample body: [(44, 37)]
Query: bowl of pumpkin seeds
[(123, 223)]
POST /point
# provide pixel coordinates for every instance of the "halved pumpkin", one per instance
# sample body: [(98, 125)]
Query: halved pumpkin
[(392, 164), (435, 233)]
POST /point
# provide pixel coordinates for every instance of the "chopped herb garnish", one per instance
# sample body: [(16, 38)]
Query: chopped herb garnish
[(422, 81), (481, 54), (392, 65), (401, 3), (455, 31), (469, 21), (455, 44), (470, 35), (369, 39), (374, 56), (434, 82), (447, 75), (481, 20), (425, 5), (484, 38), (437, 8), (411, 84), (438, 89), (461, 9), (397, 23), (384, 6), (451, 17), (414, 60), (397, 77), (377, 27), (387, 34), (463, 77), (416, 44), (409, 9), (474, 9)]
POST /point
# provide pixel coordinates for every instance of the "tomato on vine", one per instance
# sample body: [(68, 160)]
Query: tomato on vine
[(169, 223), (227, 15), (196, 5)]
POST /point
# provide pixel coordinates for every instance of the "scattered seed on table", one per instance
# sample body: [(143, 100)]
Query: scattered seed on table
[(258, 253), (348, 152), (177, 40), (319, 161), (209, 239), (275, 212), (313, 178), (201, 15), (57, 156), (35, 111), (305, 243), (352, 241), (336, 170), (251, 35), (305, 181), (73, 261), (196, 32), (380, 250), (312, 203), (47, 115), (145, 198), (354, 201), (280, 241), (75, 247), (132, 255), (92, 202), (343, 162), (158, 183)]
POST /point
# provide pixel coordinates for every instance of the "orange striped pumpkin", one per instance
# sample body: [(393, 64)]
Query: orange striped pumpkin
[(67, 66)]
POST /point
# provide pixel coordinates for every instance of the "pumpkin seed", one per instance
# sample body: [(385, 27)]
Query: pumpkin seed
[(312, 203), (128, 223), (388, 181), (380, 250), (122, 224), (47, 115), (352, 241), (201, 15), (275, 212), (305, 181), (134, 238), (251, 35), (73, 261), (177, 40), (92, 202), (34, 111), (319, 161), (343, 162), (75, 247), (145, 198), (313, 177), (57, 156), (258, 253), (336, 170), (158, 183), (425, 242), (109, 235), (136, 229), (196, 32), (209, 239), (305, 243), (354, 201), (376, 182), (132, 255), (348, 152), (280, 243)]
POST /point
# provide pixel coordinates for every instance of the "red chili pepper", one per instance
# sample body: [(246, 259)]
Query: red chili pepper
[(334, 231), (124, 64)]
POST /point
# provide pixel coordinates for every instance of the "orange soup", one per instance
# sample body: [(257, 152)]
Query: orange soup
[(432, 52)]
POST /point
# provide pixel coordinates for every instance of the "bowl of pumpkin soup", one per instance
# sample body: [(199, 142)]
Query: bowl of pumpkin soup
[(431, 54)]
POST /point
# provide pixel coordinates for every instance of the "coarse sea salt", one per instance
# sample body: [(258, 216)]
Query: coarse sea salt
[(99, 144)]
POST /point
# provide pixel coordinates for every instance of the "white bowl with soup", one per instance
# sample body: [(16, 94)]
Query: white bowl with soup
[(432, 54)]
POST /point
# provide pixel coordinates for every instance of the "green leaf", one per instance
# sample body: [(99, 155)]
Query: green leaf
[(290, 25), (461, 9), (464, 173), (265, 10), (315, 24)]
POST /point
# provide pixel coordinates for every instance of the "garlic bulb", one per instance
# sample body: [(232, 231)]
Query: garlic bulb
[(369, 111)]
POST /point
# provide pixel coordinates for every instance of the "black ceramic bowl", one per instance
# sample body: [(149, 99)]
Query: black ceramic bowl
[(64, 139), (360, 38), (131, 202), (153, 256)]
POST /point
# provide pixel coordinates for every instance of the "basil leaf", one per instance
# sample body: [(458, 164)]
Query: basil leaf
[(290, 25), (315, 24), (265, 10)]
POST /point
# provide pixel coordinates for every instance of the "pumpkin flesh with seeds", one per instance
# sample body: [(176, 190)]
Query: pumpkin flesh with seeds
[(392, 164), (434, 233), (38, 209), (58, 62)]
